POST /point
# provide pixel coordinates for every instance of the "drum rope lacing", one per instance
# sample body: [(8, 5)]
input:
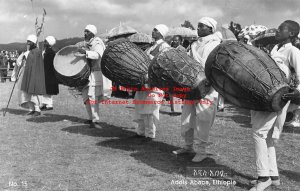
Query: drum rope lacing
[(115, 53), (233, 79), (167, 70), (258, 94), (273, 78)]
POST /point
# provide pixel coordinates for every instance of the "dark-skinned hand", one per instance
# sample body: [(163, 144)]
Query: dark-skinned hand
[(293, 94)]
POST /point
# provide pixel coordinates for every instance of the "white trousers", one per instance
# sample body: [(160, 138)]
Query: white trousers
[(146, 125), (147, 115), (267, 127), (175, 107), (31, 102), (220, 102), (46, 100), (197, 120), (92, 111), (92, 95)]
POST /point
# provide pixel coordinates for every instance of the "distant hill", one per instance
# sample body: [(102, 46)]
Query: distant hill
[(59, 44)]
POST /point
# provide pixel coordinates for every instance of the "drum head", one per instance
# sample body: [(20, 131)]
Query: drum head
[(68, 61)]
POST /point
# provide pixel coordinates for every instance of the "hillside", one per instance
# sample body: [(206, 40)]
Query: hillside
[(21, 46)]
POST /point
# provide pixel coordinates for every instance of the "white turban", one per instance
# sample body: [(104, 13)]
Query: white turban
[(162, 29), (91, 28), (32, 38), (51, 40), (209, 22)]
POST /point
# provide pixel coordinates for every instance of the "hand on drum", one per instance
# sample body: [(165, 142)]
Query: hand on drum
[(293, 94), (81, 51), (207, 83)]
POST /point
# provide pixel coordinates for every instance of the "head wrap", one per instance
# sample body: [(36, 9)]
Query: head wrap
[(209, 22), (162, 29), (51, 40), (91, 28), (32, 38)]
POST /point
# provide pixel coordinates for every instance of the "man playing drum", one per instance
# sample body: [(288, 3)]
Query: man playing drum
[(199, 117), (176, 43), (98, 86), (147, 115), (267, 126)]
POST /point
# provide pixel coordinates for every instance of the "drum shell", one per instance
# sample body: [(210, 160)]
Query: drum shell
[(78, 80), (246, 76), (125, 63), (178, 72), (199, 92)]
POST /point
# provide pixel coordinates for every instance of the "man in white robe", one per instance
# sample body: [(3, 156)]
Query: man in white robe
[(267, 126), (99, 87), (147, 115), (198, 118)]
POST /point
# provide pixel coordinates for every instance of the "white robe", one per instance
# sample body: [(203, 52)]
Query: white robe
[(199, 117)]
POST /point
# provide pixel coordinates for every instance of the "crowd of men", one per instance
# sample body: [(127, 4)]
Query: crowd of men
[(37, 84), (7, 63)]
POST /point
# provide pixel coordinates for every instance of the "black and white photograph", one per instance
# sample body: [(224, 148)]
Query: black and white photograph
[(149, 95)]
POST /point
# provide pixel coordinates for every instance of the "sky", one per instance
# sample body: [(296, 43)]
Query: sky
[(68, 18)]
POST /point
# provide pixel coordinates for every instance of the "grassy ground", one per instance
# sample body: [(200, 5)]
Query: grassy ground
[(57, 152)]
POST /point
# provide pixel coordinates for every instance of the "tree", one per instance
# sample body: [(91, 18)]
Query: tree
[(188, 24)]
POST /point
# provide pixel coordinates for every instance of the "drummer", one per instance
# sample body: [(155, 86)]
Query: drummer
[(147, 115), (93, 48), (177, 41), (199, 117), (267, 126)]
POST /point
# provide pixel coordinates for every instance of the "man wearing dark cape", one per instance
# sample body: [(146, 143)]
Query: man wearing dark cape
[(50, 79), (33, 82)]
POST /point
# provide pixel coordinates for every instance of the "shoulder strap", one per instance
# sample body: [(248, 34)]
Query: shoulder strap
[(156, 49)]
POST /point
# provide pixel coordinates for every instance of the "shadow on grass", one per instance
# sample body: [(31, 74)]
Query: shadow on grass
[(101, 130), (157, 155), (291, 130), (47, 117), (238, 115), (170, 113), (14, 111), (241, 120), (292, 175)]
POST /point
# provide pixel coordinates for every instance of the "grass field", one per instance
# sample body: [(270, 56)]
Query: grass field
[(57, 152)]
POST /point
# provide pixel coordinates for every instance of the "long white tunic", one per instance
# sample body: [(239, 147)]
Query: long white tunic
[(200, 116), (156, 95), (94, 51)]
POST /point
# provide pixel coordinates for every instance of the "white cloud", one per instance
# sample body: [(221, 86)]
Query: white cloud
[(67, 18)]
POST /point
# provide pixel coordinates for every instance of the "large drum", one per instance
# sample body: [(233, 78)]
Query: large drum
[(179, 73), (125, 63), (246, 76), (71, 67)]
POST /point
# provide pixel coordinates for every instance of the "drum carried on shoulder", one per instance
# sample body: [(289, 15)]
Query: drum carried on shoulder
[(125, 63), (71, 67), (176, 71), (246, 76)]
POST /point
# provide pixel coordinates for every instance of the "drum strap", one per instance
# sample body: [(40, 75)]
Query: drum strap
[(156, 49)]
